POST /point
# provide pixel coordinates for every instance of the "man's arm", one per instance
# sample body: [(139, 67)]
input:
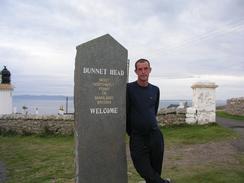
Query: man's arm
[(157, 102), (128, 123)]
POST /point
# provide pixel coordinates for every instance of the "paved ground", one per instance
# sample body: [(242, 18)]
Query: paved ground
[(238, 126), (2, 173)]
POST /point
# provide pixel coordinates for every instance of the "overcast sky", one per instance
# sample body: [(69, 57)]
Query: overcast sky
[(187, 41)]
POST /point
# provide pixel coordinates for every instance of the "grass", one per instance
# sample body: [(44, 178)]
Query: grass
[(196, 134), (38, 159), (224, 114), (49, 159)]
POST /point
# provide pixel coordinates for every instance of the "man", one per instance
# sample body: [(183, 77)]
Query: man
[(146, 140)]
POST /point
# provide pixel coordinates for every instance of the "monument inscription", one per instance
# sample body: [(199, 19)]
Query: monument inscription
[(100, 111)]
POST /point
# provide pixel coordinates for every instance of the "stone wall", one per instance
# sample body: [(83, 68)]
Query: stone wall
[(235, 106), (63, 125), (171, 116), (35, 124)]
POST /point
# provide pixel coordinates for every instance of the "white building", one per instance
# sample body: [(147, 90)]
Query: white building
[(6, 103)]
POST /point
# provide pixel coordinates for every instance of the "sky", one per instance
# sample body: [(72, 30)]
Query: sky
[(187, 41)]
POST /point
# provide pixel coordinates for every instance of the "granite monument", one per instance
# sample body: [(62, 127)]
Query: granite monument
[(100, 111)]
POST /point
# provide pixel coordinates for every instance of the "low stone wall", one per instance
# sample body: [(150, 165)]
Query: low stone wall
[(171, 116), (35, 124), (235, 106), (64, 125)]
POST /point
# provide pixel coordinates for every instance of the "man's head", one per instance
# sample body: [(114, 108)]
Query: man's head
[(141, 60), (142, 69)]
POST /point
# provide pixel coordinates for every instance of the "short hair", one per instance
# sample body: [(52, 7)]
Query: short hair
[(141, 60)]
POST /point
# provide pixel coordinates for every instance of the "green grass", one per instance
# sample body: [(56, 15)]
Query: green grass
[(35, 159), (229, 116), (196, 134), (38, 159)]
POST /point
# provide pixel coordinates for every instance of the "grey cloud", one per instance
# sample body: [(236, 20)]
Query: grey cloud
[(173, 76), (43, 84), (183, 38)]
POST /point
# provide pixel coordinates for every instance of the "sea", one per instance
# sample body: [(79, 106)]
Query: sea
[(50, 105)]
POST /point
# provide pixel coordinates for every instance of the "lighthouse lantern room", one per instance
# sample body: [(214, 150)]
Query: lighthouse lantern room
[(6, 89)]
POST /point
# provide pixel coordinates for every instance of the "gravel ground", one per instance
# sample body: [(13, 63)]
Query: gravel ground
[(238, 126)]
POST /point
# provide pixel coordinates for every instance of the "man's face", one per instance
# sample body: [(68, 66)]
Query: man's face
[(143, 70)]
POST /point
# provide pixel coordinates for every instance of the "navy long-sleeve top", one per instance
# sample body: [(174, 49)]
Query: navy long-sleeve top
[(141, 108)]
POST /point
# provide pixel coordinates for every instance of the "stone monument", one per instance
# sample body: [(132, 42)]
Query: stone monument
[(203, 103), (6, 88), (100, 111)]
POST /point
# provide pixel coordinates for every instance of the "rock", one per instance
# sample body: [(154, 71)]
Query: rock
[(191, 120)]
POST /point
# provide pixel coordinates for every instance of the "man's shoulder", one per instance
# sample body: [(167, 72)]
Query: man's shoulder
[(131, 84), (134, 84), (154, 86)]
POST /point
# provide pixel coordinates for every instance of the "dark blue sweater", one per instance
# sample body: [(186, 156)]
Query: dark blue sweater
[(141, 108)]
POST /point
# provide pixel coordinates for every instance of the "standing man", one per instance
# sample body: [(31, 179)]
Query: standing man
[(146, 140)]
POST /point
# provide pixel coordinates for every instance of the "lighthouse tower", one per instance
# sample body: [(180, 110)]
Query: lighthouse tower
[(5, 92)]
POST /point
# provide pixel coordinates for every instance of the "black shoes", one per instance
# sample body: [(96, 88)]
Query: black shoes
[(167, 180)]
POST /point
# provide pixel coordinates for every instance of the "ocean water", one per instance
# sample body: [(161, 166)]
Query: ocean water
[(48, 105)]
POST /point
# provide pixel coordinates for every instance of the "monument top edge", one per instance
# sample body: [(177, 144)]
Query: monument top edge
[(105, 36), (204, 85)]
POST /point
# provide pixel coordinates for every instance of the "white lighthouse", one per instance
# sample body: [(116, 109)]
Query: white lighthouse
[(6, 88)]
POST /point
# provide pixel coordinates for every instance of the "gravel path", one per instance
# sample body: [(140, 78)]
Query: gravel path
[(2, 172), (238, 126)]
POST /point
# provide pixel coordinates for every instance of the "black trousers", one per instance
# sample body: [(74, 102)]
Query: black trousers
[(147, 155)]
